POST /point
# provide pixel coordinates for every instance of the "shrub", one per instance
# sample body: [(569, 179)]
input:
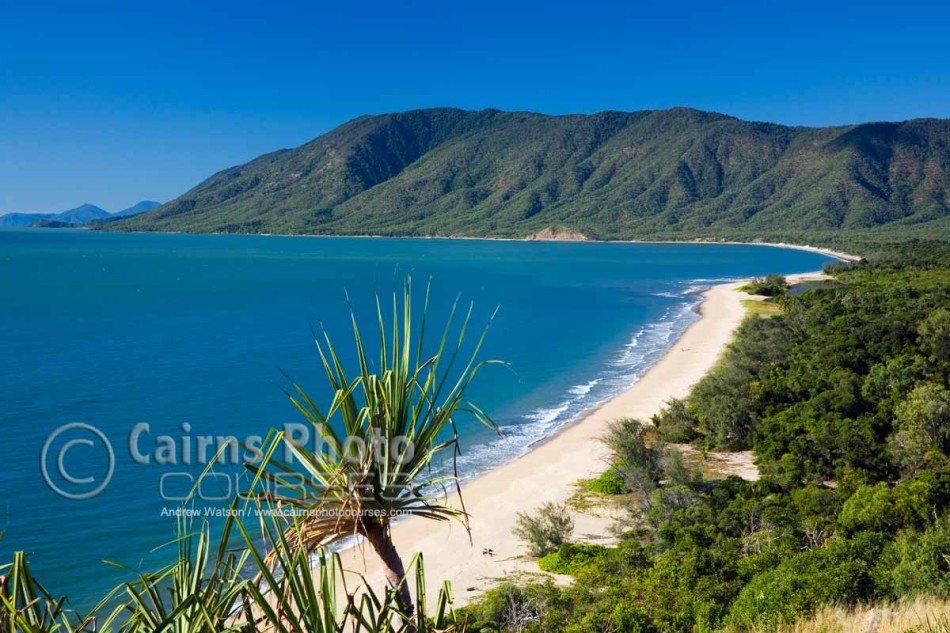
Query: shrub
[(836, 573), (917, 563), (637, 462), (772, 286), (507, 607), (571, 558), (609, 482), (547, 530), (675, 423), (882, 508)]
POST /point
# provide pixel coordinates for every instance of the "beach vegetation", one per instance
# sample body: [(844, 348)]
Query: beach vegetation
[(609, 482), (27, 606), (763, 309), (772, 285), (676, 423), (842, 398), (546, 530)]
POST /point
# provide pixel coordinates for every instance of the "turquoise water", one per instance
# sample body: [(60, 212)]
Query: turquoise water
[(114, 330)]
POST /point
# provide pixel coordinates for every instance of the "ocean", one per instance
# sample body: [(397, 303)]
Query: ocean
[(115, 345)]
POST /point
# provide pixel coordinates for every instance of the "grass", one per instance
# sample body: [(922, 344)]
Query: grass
[(764, 309), (923, 615)]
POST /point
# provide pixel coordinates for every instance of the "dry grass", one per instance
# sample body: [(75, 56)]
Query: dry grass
[(921, 615), (720, 464)]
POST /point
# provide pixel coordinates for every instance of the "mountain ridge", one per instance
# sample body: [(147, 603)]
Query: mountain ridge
[(78, 216), (677, 173)]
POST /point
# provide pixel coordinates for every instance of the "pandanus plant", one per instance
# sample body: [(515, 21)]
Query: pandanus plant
[(382, 431), (27, 607), (202, 591), (289, 595)]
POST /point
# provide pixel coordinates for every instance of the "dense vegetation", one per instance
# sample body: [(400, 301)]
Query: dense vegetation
[(672, 174), (843, 397)]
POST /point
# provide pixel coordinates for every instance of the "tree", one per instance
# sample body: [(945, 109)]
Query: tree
[(935, 334), (922, 426), (547, 530), (638, 462), (394, 423)]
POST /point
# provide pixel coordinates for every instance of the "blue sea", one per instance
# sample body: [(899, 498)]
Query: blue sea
[(106, 335)]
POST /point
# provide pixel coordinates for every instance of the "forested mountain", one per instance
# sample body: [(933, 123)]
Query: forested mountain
[(675, 173)]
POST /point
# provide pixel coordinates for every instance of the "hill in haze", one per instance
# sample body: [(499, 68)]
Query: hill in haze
[(23, 219), (81, 215), (137, 208), (676, 173)]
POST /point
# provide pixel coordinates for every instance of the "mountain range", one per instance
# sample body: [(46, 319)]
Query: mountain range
[(83, 214), (677, 173)]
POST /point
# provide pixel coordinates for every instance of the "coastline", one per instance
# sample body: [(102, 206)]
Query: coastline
[(835, 254), (550, 469)]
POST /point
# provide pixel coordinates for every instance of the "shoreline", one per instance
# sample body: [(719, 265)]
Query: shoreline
[(835, 254), (551, 467)]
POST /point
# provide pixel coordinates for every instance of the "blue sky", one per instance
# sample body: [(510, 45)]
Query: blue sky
[(111, 103)]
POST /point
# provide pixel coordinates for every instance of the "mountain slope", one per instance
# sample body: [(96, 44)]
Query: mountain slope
[(23, 219), (83, 214), (137, 208), (669, 173)]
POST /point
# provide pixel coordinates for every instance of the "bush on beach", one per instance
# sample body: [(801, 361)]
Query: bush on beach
[(546, 530)]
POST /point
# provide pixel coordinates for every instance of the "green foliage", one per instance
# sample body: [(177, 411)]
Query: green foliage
[(669, 174), (771, 286), (922, 428), (546, 530), (572, 558), (887, 509), (727, 401), (838, 572), (935, 334), (609, 482), (197, 593), (26, 606), (918, 563), (509, 607), (636, 460), (676, 423)]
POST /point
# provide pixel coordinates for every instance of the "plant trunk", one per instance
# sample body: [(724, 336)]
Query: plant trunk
[(381, 541)]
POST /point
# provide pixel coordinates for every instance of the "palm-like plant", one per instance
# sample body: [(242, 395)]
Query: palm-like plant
[(202, 591), (288, 596), (381, 433), (26, 606)]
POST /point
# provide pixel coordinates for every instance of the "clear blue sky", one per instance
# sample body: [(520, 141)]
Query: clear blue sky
[(111, 103)]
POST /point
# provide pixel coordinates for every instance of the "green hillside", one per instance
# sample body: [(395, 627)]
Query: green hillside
[(676, 173)]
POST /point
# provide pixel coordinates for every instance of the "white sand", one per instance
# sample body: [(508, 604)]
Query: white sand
[(548, 471)]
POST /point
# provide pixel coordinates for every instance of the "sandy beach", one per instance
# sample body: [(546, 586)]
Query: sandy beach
[(549, 470)]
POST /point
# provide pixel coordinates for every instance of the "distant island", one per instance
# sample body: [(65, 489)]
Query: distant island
[(82, 215), (665, 174)]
